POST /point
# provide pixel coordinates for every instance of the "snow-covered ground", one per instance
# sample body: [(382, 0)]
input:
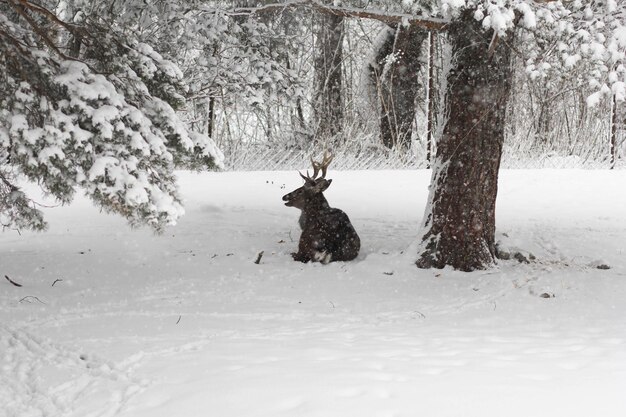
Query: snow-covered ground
[(118, 322)]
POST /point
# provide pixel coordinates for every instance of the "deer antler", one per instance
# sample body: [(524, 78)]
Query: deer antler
[(323, 165), (319, 166)]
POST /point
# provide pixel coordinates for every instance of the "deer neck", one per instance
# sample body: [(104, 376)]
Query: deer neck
[(312, 208), (316, 204)]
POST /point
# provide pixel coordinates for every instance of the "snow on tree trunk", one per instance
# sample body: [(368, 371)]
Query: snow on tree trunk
[(328, 102), (459, 223), (396, 74)]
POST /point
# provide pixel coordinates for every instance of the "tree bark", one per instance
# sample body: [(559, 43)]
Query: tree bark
[(430, 122), (328, 100), (459, 223), (396, 74), (613, 131)]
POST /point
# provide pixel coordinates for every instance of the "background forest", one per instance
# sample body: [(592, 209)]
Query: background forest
[(549, 122), (259, 81), (272, 83)]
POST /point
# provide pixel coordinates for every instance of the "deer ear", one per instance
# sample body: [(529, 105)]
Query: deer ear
[(322, 185)]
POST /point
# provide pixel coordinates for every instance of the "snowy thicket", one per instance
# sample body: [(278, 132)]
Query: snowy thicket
[(566, 53), (85, 103), (589, 34)]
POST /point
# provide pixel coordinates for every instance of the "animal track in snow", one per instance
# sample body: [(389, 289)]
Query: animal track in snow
[(38, 377)]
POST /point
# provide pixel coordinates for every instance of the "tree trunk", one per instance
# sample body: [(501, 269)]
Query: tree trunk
[(544, 124), (397, 80), (613, 131), (328, 100), (459, 224), (430, 122)]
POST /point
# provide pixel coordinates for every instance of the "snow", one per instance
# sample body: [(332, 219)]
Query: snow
[(529, 19), (594, 99), (186, 324), (100, 166)]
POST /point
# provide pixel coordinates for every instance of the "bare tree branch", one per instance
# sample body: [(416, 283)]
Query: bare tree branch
[(50, 16), (389, 18)]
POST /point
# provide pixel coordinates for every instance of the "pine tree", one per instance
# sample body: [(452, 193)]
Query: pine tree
[(85, 103)]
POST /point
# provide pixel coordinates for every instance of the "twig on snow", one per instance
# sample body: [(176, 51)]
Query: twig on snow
[(419, 313), (57, 280), (12, 282), (29, 297), (178, 321), (258, 257)]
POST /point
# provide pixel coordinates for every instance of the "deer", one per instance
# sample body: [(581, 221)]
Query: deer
[(327, 234)]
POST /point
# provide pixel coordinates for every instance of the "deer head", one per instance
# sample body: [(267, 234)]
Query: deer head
[(311, 191)]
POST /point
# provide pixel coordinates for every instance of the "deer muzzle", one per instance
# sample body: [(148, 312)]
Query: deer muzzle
[(287, 199)]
